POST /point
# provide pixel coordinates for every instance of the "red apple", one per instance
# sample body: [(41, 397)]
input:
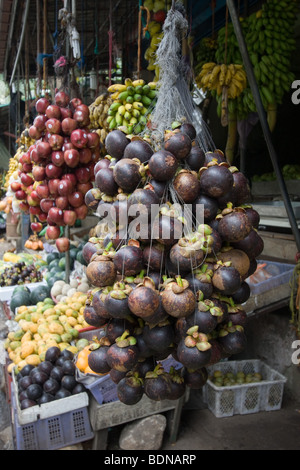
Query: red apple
[(24, 206), (46, 204), (26, 179), (53, 186), (66, 113), (27, 167), (67, 146), (83, 174), (65, 187), (62, 244), (93, 140), (81, 211), (40, 122), (41, 105), (52, 232), (35, 156), (43, 148), (25, 158), (56, 141), (74, 103), (62, 202), (76, 199), (68, 125), (34, 133), (56, 215), (53, 126), (38, 173), (85, 155), (32, 202), (70, 217), (53, 171), (42, 217), (62, 99), (79, 138), (71, 177), (53, 111), (57, 158), (20, 195), (34, 196), (36, 226), (15, 186), (43, 190), (82, 116), (35, 210), (71, 158), (84, 187)]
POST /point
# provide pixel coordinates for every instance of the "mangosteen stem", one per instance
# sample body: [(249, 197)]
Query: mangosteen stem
[(179, 281)]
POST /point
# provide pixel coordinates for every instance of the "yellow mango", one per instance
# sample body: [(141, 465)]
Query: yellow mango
[(33, 327), (28, 317), (72, 321), (52, 318), (35, 316), (22, 309), (73, 349), (12, 355), (42, 329), (20, 316), (14, 345), (63, 346), (32, 308), (42, 349), (27, 348), (62, 318), (22, 364), (37, 337), (56, 327), (48, 312), (33, 360), (26, 337)]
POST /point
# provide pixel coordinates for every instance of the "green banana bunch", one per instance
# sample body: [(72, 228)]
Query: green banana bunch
[(131, 104)]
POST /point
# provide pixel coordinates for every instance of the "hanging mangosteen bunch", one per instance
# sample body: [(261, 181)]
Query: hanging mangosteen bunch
[(58, 169), (169, 272)]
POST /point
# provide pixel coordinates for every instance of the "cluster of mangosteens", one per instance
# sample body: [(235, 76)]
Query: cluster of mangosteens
[(169, 289), (58, 169)]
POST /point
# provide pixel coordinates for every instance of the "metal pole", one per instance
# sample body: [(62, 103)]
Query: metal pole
[(263, 120), (67, 234), (25, 15)]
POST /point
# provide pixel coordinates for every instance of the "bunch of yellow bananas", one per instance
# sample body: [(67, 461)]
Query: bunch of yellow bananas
[(130, 106), (216, 76), (98, 115), (24, 142)]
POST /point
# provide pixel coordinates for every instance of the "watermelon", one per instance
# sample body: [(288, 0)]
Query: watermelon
[(20, 298), (51, 257), (39, 294)]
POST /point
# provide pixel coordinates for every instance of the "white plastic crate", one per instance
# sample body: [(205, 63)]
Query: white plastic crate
[(245, 398)]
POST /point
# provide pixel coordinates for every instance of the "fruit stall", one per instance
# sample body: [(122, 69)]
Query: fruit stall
[(135, 249)]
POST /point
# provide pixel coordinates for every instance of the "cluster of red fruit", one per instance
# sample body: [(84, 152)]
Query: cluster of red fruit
[(58, 169)]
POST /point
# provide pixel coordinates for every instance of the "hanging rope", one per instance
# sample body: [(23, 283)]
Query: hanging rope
[(45, 68), (110, 43)]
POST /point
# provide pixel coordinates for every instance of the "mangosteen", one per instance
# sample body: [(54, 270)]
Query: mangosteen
[(215, 156), (242, 294), (67, 354), (232, 338), (104, 180), (119, 211), (189, 129), (241, 192), (163, 165), (40, 377), (46, 367), (194, 351), (234, 224), (157, 385), (116, 301), (200, 281), (167, 228), (45, 398), (252, 244), (217, 351), (188, 252), (156, 278), (22, 395), (24, 382), (92, 246), (138, 148), (116, 327), (92, 318), (143, 366), (97, 358), (145, 351), (27, 403), (159, 336), (68, 382), (159, 315), (96, 299), (115, 143), (92, 198), (51, 386), (205, 208), (177, 384), (196, 157), (159, 187), (226, 278), (186, 185), (252, 215), (179, 144), (69, 367), (62, 393), (128, 260), (124, 353), (143, 203), (130, 389), (237, 258), (195, 379), (177, 299), (26, 370), (52, 354), (143, 301), (154, 256), (34, 391), (205, 316), (116, 375), (215, 179), (237, 315), (128, 174), (102, 163), (101, 271), (57, 373), (79, 388)]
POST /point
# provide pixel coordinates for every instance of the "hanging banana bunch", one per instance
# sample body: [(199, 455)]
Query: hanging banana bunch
[(216, 76)]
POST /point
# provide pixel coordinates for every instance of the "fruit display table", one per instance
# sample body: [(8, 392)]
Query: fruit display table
[(105, 416)]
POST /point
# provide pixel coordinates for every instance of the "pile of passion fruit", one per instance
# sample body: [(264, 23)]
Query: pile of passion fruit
[(168, 282)]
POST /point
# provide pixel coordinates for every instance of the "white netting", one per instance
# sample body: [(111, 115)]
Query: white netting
[(174, 100)]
